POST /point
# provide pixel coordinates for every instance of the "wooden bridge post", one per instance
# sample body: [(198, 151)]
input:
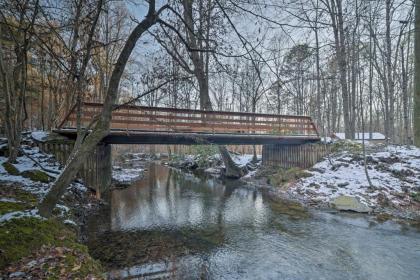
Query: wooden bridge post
[(288, 156), (96, 172), (104, 168)]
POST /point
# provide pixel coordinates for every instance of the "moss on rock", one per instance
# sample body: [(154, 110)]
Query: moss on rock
[(347, 145), (16, 199), (415, 196), (7, 207), (10, 168), (21, 237), (15, 192), (383, 217), (36, 175)]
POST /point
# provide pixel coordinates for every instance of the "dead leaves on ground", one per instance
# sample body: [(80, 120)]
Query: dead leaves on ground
[(52, 263)]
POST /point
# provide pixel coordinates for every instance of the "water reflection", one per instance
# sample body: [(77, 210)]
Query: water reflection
[(168, 199), (176, 225)]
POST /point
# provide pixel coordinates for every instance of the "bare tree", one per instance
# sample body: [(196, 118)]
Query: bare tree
[(416, 118), (102, 125), (18, 24)]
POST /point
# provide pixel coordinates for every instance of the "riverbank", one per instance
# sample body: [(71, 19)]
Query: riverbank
[(34, 247), (212, 164), (338, 181), (128, 168)]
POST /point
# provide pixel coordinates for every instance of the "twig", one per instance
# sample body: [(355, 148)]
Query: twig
[(39, 164)]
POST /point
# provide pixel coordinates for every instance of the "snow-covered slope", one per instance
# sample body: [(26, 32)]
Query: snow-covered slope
[(394, 173)]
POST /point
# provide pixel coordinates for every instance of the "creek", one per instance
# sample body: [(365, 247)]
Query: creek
[(177, 225)]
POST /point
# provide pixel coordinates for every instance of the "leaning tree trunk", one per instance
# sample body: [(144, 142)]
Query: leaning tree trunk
[(102, 127), (200, 63), (232, 170)]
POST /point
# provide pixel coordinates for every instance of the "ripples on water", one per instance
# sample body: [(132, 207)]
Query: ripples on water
[(176, 225)]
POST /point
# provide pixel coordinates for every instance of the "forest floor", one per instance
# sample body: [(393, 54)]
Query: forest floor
[(34, 247)]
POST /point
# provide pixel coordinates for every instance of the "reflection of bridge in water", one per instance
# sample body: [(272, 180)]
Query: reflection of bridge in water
[(179, 215), (287, 140), (166, 198)]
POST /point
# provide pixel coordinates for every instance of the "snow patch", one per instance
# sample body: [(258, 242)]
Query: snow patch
[(69, 222), (126, 175), (6, 199), (20, 214), (242, 160), (345, 175), (39, 135)]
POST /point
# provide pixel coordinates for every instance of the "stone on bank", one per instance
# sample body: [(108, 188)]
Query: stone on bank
[(349, 203)]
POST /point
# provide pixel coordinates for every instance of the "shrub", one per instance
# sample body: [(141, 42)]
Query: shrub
[(287, 175), (36, 175)]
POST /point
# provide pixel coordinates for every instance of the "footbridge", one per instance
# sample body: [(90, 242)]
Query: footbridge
[(288, 141), (156, 125)]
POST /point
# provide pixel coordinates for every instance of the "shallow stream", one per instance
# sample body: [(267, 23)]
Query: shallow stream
[(181, 226)]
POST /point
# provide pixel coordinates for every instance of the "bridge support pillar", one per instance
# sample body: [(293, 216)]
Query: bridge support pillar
[(96, 172), (288, 156)]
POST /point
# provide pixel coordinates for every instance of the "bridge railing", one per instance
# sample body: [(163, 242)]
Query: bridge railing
[(143, 118)]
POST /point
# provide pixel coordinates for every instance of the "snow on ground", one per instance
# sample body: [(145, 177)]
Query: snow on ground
[(19, 214), (394, 173), (39, 135), (126, 175), (129, 168), (243, 160), (24, 163)]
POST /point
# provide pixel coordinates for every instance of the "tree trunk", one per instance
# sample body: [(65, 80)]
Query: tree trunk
[(14, 88), (200, 63), (102, 127), (389, 68), (416, 117), (404, 85), (232, 170), (336, 13)]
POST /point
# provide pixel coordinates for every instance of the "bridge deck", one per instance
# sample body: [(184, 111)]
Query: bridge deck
[(153, 125), (147, 137)]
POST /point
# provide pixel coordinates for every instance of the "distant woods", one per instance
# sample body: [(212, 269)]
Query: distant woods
[(335, 60)]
